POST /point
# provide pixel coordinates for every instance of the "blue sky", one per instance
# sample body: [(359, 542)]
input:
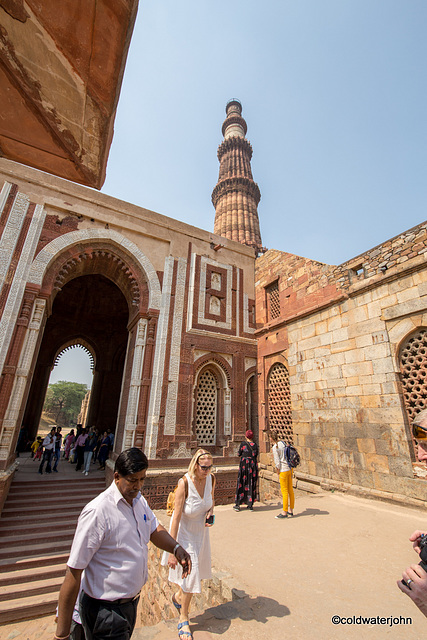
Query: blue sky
[(334, 95)]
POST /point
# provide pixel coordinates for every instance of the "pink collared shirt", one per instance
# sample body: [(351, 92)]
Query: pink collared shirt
[(110, 544)]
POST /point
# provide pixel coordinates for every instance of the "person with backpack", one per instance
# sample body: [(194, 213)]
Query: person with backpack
[(284, 471)]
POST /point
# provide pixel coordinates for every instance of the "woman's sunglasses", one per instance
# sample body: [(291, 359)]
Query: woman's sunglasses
[(203, 468)]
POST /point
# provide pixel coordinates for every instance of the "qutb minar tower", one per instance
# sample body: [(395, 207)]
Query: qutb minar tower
[(236, 195)]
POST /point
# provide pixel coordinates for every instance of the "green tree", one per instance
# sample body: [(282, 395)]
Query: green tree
[(64, 400)]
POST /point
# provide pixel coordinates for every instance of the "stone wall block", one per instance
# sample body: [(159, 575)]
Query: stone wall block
[(376, 351), (359, 460), (370, 390), (362, 341), (371, 401), (330, 443), (374, 431), (401, 466), (391, 400), (354, 390), (378, 463), (365, 328), (402, 284), (389, 387), (340, 335), (383, 446), (366, 445), (345, 459), (155, 602), (322, 468), (348, 444), (386, 415), (328, 457), (361, 477), (342, 474), (360, 313), (357, 369)]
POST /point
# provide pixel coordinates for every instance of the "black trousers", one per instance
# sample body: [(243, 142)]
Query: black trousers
[(47, 457), (80, 456), (104, 620), (76, 631)]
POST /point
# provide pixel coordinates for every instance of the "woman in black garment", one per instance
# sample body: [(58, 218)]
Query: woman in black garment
[(248, 473)]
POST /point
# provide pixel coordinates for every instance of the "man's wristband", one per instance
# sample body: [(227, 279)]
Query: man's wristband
[(175, 548)]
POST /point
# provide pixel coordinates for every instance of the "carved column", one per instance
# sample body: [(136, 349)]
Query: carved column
[(150, 429), (135, 386), (27, 334)]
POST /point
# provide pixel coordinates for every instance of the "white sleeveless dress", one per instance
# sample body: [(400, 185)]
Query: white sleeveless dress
[(193, 535)]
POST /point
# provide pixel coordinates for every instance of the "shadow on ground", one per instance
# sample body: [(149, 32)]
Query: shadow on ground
[(218, 619), (278, 507)]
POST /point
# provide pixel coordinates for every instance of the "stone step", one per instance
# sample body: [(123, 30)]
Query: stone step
[(35, 511), (27, 608), (36, 516), (51, 492), (46, 539), (27, 590), (18, 553), (32, 574), (47, 501), (19, 526), (77, 484), (17, 565)]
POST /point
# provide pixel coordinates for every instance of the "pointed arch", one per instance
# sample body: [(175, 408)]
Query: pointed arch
[(84, 237), (212, 401), (77, 342)]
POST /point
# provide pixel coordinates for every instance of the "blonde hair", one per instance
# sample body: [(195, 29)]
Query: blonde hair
[(194, 460)]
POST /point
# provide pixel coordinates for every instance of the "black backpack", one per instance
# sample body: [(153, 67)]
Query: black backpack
[(292, 456)]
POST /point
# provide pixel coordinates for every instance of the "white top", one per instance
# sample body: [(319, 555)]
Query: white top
[(279, 456), (193, 535), (110, 544), (48, 443)]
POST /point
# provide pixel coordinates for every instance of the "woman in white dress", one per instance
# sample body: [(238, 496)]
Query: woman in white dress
[(194, 504)]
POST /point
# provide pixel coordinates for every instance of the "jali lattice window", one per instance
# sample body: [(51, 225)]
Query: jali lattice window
[(413, 367), (279, 402), (273, 301), (206, 406)]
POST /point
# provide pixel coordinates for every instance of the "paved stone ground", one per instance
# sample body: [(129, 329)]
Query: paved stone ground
[(339, 555)]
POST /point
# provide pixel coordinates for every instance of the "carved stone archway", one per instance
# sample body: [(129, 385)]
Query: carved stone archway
[(79, 264)]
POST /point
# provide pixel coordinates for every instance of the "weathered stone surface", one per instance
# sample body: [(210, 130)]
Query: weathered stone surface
[(58, 113)]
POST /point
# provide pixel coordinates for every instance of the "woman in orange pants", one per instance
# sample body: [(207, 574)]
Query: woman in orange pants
[(284, 472)]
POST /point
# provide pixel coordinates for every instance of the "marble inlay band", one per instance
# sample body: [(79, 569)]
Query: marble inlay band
[(16, 292), (159, 362)]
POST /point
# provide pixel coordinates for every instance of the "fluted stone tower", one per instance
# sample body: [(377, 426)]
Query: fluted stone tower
[(236, 195)]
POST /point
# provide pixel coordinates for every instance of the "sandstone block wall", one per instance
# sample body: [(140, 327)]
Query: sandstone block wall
[(155, 603), (339, 335)]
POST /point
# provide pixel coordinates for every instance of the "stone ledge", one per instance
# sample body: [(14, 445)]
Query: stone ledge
[(314, 484)]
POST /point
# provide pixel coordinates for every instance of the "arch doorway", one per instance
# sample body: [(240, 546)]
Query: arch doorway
[(92, 311), (73, 364)]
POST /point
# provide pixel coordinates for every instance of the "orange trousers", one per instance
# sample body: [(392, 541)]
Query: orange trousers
[(287, 490)]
